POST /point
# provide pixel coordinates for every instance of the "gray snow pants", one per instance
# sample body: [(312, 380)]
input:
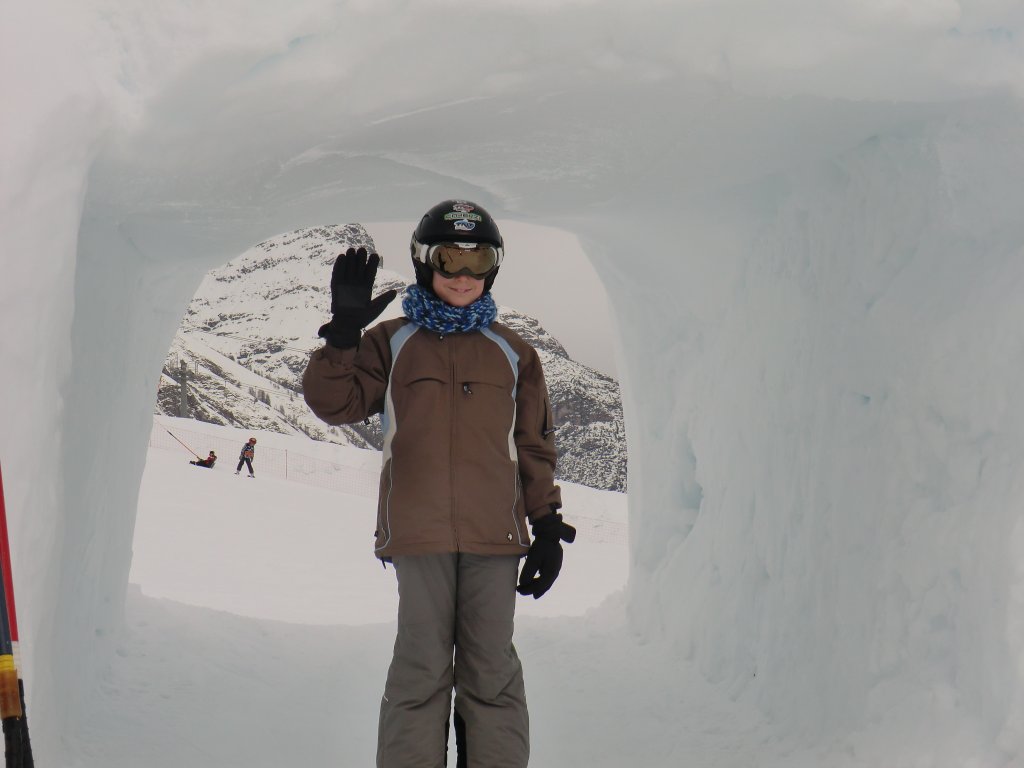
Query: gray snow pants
[(463, 605)]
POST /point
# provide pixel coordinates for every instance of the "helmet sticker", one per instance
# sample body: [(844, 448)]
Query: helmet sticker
[(462, 206), (462, 224), (464, 215)]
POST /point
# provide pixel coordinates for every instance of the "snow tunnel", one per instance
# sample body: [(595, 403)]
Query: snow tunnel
[(817, 299)]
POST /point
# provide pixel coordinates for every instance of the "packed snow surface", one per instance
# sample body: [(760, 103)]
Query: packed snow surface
[(250, 596), (807, 218), (294, 548)]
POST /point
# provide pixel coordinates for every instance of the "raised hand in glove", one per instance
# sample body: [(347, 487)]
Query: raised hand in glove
[(351, 306), (544, 560)]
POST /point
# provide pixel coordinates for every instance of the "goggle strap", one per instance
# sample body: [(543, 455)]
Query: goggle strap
[(421, 251)]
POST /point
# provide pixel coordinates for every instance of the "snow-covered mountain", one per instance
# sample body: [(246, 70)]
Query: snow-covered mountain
[(248, 332)]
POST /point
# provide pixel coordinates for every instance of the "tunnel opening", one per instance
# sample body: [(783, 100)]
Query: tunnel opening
[(234, 370)]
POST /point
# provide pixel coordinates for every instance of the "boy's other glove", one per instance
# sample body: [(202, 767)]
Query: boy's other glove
[(544, 560), (351, 307)]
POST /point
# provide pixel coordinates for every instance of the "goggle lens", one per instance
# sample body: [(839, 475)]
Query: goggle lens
[(451, 259)]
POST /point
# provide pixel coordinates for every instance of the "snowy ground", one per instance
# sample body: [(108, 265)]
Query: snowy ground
[(198, 687), (259, 629), (274, 549), (259, 624)]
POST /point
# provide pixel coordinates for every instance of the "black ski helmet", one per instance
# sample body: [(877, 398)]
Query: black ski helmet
[(458, 221)]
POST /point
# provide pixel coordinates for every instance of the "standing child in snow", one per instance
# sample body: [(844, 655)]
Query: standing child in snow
[(246, 456), (468, 458)]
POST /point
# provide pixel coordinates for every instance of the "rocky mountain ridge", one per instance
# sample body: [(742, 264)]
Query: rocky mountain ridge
[(249, 330)]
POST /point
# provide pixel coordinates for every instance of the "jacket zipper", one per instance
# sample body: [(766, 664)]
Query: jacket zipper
[(451, 448)]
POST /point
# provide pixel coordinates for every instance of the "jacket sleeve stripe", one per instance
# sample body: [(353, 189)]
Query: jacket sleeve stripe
[(513, 360), (388, 417), (510, 354)]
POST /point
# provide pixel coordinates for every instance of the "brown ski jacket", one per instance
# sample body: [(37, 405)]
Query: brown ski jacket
[(469, 447)]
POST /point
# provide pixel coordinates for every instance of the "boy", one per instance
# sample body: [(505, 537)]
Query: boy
[(468, 457), (245, 457)]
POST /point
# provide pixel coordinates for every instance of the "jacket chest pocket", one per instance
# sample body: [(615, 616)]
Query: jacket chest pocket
[(423, 402), (488, 384), (420, 387), (485, 398)]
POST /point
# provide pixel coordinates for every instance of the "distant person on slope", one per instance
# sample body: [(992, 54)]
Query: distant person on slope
[(469, 461), (208, 462), (246, 456)]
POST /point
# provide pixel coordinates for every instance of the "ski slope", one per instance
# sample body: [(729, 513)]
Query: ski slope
[(259, 623), (287, 550)]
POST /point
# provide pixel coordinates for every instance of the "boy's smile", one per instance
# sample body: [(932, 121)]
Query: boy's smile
[(460, 291)]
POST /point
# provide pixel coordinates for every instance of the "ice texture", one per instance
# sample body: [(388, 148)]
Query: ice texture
[(807, 220)]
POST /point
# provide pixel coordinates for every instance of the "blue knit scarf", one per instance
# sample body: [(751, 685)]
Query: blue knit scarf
[(424, 308)]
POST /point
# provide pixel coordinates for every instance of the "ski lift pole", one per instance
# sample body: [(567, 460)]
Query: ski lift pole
[(17, 747), (186, 447)]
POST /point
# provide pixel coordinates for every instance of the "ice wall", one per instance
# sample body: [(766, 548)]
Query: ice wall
[(826, 505), (816, 296)]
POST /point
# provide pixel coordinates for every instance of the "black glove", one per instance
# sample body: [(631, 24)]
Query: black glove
[(545, 555), (351, 307)]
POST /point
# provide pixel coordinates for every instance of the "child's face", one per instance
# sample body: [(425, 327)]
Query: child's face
[(459, 291)]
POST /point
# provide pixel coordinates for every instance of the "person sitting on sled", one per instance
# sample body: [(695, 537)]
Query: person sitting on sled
[(208, 462)]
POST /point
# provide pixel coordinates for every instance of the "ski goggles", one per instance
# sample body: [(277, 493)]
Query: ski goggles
[(452, 259)]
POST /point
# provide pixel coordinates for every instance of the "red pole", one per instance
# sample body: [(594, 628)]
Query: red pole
[(17, 745), (5, 561)]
